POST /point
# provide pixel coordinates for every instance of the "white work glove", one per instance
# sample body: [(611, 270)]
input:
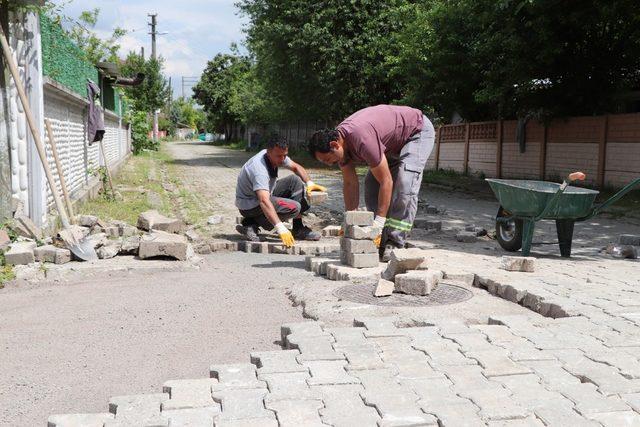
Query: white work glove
[(379, 223), (285, 235)]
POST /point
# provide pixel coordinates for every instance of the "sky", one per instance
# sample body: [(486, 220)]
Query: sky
[(196, 30)]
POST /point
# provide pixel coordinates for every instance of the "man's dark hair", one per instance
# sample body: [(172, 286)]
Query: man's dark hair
[(275, 140), (319, 141)]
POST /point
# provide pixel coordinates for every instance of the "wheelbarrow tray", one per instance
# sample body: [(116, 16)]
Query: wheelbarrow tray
[(528, 199)]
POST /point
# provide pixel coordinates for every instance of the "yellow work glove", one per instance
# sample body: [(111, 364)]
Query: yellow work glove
[(285, 235), (311, 187), (379, 223)]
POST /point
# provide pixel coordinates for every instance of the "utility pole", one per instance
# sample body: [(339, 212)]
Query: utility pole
[(153, 56), (183, 87)]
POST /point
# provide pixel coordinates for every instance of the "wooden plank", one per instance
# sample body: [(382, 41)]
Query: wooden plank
[(602, 151), (466, 149), (500, 125)]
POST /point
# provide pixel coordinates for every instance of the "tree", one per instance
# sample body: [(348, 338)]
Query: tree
[(154, 91), (183, 111), (96, 49)]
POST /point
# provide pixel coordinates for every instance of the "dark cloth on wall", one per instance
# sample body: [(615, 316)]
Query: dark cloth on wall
[(95, 119)]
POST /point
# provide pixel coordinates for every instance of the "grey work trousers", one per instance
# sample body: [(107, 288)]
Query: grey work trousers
[(406, 171)]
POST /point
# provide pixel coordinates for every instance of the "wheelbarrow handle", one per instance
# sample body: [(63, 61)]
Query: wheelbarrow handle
[(553, 203), (611, 200)]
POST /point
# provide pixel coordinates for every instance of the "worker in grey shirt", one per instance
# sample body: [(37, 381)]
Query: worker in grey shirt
[(266, 202)]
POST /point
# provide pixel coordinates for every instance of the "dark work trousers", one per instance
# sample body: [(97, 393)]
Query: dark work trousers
[(288, 199), (406, 171)]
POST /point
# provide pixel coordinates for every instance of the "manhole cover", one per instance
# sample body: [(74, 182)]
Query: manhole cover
[(444, 294)]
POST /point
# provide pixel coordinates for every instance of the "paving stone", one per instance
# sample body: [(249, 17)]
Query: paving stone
[(526, 422), (314, 347), (331, 231), (363, 260), (325, 372), (418, 282), (397, 406), (25, 227), (362, 357), (338, 272), (129, 245), (427, 224), (160, 243), (20, 253), (361, 233), (153, 220), (384, 288), (471, 342), (497, 363), (443, 356), (629, 239), (289, 386), (528, 391), (343, 407), (324, 266), (588, 401), (496, 405), (295, 413), (628, 365), (379, 327), (353, 246), (141, 409), (617, 419), (317, 197), (307, 329), (633, 400), (403, 260), (112, 232), (469, 378), (185, 394), (551, 372), (87, 220), (79, 420), (235, 376), (192, 417), (466, 237), (238, 404), (361, 218), (246, 422), (515, 263), (559, 416), (109, 250), (53, 254), (454, 414), (269, 362)]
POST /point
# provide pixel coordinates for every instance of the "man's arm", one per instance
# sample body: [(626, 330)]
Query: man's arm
[(382, 174), (267, 207), (299, 170), (351, 187)]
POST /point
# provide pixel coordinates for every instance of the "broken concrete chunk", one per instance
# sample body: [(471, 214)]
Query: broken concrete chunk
[(317, 197), (362, 260), (192, 235), (130, 245), (621, 251), (153, 220), (110, 250), (352, 246), (53, 254), (27, 228), (87, 220), (418, 282), (384, 288), (427, 224), (331, 231), (20, 253), (466, 237), (98, 240), (362, 218), (112, 231), (514, 263), (629, 239), (4, 240), (403, 260), (202, 247), (478, 231), (163, 244), (362, 233), (215, 219)]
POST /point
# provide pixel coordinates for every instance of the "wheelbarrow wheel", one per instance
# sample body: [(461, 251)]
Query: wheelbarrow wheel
[(508, 232)]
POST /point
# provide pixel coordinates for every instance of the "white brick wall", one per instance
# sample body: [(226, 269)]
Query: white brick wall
[(482, 158), (452, 156)]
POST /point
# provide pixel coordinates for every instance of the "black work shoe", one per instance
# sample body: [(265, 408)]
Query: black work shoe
[(305, 233), (249, 232)]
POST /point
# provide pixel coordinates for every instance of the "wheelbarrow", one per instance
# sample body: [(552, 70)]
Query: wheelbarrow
[(524, 202)]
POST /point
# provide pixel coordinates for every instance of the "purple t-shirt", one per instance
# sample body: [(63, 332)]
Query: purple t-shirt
[(372, 131)]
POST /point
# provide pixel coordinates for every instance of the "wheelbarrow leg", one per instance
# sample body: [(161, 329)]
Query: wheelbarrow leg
[(527, 236), (565, 236)]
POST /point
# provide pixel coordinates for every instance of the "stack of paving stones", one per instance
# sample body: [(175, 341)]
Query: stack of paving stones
[(407, 273), (357, 248), (515, 371)]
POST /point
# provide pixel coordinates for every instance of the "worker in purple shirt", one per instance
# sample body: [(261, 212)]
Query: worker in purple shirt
[(395, 142)]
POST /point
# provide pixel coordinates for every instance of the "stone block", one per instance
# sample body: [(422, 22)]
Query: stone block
[(331, 231), (281, 361), (353, 246), (427, 224), (629, 239), (326, 372), (20, 253), (235, 376), (129, 245), (418, 282), (162, 244), (514, 263), (344, 407), (403, 260), (295, 413), (153, 220), (110, 250), (112, 231), (362, 218), (143, 409), (192, 393), (4, 240), (384, 288), (317, 197), (307, 329), (242, 404), (201, 247), (25, 227), (215, 220), (289, 386), (466, 237), (314, 348), (363, 260), (53, 254), (87, 220), (79, 420), (361, 233)]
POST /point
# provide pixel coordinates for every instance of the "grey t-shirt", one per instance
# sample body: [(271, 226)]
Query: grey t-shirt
[(256, 174)]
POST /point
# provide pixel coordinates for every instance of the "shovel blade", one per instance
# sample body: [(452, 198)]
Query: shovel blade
[(84, 250)]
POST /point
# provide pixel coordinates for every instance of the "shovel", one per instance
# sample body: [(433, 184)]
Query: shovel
[(79, 246)]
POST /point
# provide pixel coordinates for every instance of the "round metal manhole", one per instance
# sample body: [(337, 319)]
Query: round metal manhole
[(444, 294)]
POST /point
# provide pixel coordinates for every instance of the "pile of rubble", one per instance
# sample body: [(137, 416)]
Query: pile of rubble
[(154, 236), (627, 247), (408, 273)]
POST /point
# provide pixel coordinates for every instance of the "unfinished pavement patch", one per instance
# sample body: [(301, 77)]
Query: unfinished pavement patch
[(364, 294)]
